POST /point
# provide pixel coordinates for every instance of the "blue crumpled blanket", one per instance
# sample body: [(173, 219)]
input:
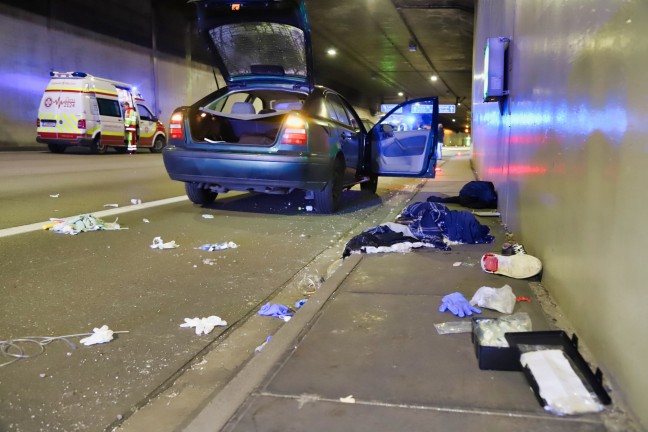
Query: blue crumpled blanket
[(383, 235), (474, 194), (275, 310), (430, 221)]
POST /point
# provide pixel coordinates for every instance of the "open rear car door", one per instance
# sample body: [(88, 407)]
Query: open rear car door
[(404, 142)]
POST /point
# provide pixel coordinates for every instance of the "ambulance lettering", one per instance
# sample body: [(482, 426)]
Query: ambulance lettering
[(65, 103)]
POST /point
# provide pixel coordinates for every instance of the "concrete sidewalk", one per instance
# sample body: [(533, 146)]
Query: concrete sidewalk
[(369, 333)]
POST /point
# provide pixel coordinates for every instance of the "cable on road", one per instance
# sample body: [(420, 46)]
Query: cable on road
[(16, 349)]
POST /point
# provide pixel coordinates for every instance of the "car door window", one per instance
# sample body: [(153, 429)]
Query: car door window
[(355, 123), (331, 111), (408, 151), (145, 113), (108, 107), (338, 106)]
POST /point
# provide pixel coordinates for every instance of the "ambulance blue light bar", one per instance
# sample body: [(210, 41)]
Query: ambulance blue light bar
[(56, 74)]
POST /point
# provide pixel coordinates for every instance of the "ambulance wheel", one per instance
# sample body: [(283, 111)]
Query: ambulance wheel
[(158, 145), (198, 194), (56, 148), (97, 147)]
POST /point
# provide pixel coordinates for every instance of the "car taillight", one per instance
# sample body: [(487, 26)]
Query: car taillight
[(81, 124), (175, 126), (295, 131), (37, 122)]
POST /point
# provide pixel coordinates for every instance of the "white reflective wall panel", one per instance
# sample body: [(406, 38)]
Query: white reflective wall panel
[(569, 157)]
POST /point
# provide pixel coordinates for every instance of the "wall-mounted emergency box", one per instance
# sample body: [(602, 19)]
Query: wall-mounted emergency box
[(495, 69)]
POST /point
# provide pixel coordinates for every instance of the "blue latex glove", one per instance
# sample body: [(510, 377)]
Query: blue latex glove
[(458, 305), (275, 310)]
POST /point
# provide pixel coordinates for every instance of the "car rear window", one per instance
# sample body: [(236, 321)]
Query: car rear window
[(244, 48)]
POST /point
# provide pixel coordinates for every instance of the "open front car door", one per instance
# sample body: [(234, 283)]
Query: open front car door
[(403, 142)]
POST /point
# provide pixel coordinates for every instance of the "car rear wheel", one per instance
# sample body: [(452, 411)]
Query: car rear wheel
[(56, 148), (158, 145), (328, 199), (97, 147), (198, 194), (371, 185)]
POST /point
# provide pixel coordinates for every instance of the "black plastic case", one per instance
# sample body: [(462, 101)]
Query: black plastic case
[(494, 358), (592, 380)]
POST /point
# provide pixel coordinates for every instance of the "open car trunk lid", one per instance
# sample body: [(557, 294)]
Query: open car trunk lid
[(258, 41)]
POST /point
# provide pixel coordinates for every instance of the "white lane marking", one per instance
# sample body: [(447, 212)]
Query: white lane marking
[(100, 214)]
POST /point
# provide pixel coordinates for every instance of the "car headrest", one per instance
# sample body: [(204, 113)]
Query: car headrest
[(287, 106), (243, 108)]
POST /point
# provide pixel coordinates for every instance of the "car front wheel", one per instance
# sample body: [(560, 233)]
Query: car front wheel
[(198, 194), (328, 199)]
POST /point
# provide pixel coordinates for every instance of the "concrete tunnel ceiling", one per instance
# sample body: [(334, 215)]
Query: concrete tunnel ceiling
[(383, 46), (374, 61)]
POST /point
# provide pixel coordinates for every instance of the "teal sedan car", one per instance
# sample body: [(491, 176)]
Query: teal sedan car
[(271, 129)]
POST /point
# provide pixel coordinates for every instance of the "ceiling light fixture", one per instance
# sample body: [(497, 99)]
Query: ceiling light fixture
[(434, 77), (331, 51), (412, 46), (400, 93)]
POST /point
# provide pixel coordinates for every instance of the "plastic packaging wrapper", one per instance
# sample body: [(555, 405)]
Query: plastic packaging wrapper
[(311, 282), (490, 332), (451, 327), (499, 299), (218, 246), (558, 384), (84, 223)]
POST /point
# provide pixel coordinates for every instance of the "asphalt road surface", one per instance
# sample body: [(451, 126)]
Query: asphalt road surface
[(54, 284)]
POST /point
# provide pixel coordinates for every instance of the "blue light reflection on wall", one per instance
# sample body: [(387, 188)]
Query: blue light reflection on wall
[(27, 83), (611, 120)]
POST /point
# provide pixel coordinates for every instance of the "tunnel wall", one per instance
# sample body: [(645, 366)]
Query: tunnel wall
[(30, 46), (568, 153)]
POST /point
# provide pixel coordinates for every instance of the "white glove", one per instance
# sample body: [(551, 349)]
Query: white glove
[(100, 335), (204, 325)]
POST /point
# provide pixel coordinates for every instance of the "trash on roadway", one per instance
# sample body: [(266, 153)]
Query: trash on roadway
[(82, 223), (276, 310), (218, 246), (158, 243), (204, 325)]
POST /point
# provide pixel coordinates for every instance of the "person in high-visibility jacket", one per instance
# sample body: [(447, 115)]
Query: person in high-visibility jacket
[(130, 123)]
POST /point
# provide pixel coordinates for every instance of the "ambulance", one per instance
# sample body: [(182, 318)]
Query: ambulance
[(78, 109)]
